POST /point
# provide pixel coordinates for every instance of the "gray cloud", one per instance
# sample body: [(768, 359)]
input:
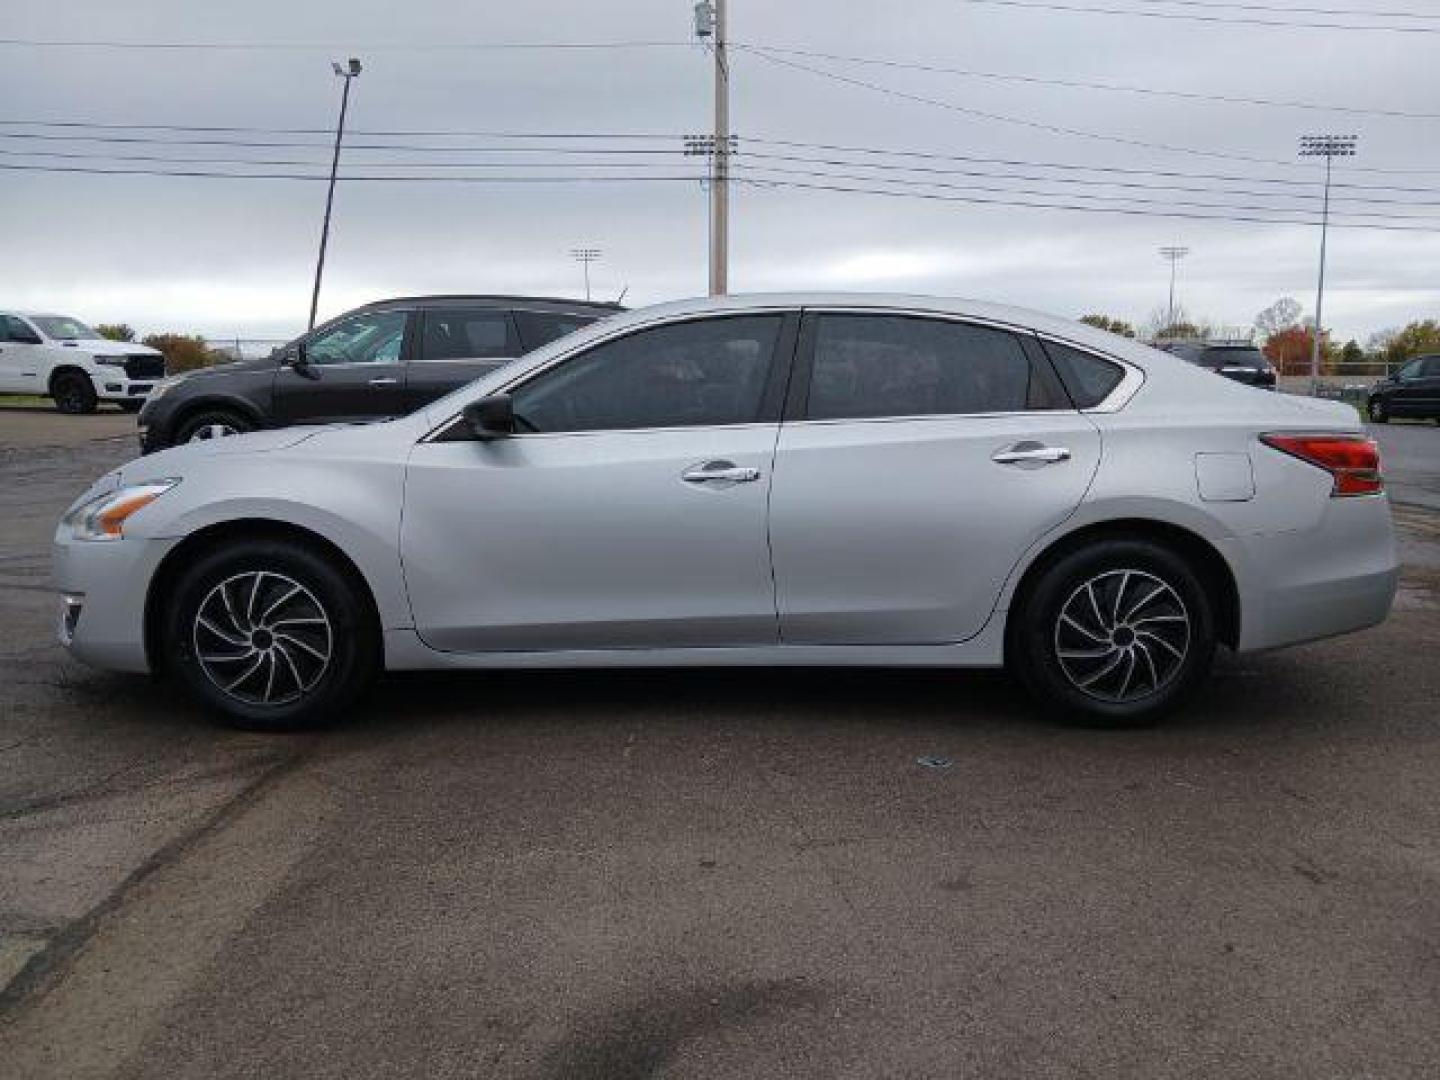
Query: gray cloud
[(235, 257)]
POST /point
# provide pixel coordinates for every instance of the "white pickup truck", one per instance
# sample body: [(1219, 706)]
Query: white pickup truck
[(61, 358)]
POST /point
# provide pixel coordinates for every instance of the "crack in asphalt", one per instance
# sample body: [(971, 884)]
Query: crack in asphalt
[(51, 961)]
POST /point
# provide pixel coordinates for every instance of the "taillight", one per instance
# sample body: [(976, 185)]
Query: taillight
[(1353, 460)]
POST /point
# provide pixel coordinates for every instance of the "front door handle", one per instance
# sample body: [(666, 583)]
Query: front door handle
[(723, 471), (383, 380), (1030, 453)]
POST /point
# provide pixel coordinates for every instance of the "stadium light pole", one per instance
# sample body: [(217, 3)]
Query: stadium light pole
[(1174, 254), (1329, 147), (347, 71), (585, 256)]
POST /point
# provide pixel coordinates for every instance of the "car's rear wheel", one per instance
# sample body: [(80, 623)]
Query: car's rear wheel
[(1115, 633), (1378, 413), (212, 424), (271, 633), (73, 393)]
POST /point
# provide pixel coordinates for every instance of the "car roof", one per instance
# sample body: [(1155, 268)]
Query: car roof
[(498, 300)]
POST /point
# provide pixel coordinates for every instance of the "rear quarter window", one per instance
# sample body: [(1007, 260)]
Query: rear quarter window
[(1089, 379), (542, 327)]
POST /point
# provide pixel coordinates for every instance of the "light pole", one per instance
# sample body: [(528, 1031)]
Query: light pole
[(585, 256), (1174, 254), (347, 71), (1329, 147), (710, 23)]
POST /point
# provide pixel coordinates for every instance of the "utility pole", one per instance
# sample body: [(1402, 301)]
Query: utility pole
[(710, 23), (1329, 147), (1174, 254), (347, 72), (585, 256)]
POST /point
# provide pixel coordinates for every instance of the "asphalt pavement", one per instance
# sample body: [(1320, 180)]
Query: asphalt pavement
[(720, 874)]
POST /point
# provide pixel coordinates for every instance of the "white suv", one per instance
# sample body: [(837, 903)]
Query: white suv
[(61, 358)]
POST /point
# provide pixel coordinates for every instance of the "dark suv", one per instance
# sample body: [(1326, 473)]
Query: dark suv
[(1413, 391), (1242, 363), (384, 359)]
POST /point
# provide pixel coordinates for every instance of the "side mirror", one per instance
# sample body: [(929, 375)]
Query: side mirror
[(491, 417), (298, 360)]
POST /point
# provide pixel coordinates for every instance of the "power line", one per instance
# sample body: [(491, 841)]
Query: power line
[(1121, 211), (629, 151), (1054, 129), (1236, 20), (1038, 125), (577, 159), (1288, 10), (332, 46), (1134, 200), (756, 178), (1080, 84)]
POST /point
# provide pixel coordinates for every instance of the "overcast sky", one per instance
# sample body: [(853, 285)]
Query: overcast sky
[(235, 257)]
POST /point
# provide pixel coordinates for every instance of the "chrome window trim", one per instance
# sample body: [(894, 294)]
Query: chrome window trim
[(496, 360)]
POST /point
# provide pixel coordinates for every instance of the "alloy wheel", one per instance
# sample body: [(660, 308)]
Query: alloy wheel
[(1122, 635), (262, 638), (212, 431)]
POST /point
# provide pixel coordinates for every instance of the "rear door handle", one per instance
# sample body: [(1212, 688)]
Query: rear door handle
[(724, 471), (383, 380), (1031, 453)]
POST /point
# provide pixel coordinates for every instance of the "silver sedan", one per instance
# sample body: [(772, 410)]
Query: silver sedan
[(770, 480)]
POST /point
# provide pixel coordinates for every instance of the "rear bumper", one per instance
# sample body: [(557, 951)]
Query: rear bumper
[(1302, 585)]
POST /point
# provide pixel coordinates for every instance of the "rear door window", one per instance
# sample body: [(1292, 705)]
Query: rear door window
[(869, 366), (467, 334)]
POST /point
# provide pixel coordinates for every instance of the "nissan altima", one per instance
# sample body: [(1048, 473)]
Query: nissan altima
[(770, 480)]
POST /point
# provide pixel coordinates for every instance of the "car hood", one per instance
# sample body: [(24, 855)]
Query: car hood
[(106, 347)]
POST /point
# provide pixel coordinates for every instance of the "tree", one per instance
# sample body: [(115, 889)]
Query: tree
[(1397, 346), (1289, 350), (115, 331), (1352, 353), (1281, 315), (183, 352), (1105, 322)]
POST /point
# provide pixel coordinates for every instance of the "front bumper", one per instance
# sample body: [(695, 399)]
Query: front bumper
[(103, 587), (115, 385)]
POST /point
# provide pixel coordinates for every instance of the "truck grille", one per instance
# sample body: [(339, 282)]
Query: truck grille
[(145, 367)]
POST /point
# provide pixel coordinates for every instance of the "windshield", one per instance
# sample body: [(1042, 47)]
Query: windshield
[(63, 328)]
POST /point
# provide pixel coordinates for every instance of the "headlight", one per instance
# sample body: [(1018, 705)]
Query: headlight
[(110, 361), (104, 517), (163, 385)]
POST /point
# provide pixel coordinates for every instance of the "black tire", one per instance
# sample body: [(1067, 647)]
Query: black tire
[(215, 628), (131, 406), (1378, 413), (73, 393), (219, 422), (1049, 654)]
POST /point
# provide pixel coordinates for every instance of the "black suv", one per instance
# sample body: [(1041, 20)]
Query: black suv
[(384, 359), (1413, 391), (1242, 363)]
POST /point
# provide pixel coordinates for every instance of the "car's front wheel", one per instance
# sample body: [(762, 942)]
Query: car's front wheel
[(271, 633), (73, 393), (212, 424), (1115, 633), (1378, 413)]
